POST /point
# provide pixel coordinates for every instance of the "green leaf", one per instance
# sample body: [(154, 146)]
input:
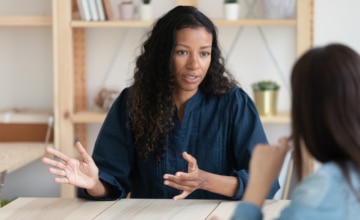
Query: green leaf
[(230, 1), (265, 85), (4, 202)]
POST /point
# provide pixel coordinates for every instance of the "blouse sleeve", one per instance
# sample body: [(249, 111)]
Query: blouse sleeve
[(248, 211), (246, 133), (113, 153)]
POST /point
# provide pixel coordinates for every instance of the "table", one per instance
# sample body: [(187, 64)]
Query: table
[(74, 208), (271, 209)]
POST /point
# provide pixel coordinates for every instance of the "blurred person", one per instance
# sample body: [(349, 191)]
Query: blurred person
[(325, 116)]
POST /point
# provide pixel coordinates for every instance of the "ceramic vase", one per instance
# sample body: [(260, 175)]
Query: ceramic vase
[(231, 11), (146, 12), (127, 11)]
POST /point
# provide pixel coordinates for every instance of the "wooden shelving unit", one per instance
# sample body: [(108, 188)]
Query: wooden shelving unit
[(218, 22), (29, 116), (67, 59), (25, 21), (279, 118), (98, 117), (14, 155)]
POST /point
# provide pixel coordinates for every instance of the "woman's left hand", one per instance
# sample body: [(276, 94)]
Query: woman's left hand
[(186, 182)]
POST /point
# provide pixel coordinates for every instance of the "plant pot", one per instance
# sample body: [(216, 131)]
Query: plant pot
[(231, 11), (279, 9), (127, 11), (146, 12), (266, 102)]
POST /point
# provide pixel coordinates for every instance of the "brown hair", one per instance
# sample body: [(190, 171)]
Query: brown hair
[(325, 106)]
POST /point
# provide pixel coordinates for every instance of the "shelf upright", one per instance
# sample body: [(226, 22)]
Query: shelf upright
[(304, 35), (63, 82)]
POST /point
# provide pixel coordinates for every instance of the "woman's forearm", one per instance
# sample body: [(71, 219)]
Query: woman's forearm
[(223, 185)]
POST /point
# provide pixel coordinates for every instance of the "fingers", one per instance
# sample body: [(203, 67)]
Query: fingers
[(286, 143), (61, 180), (181, 181), (57, 153), (187, 156), (186, 182), (174, 181), (169, 181), (53, 163), (191, 160), (57, 172), (183, 195), (83, 153)]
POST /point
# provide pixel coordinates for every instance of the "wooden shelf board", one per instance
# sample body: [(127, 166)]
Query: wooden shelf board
[(255, 22), (25, 21), (99, 117), (25, 116), (280, 118), (14, 155), (113, 23), (89, 117), (218, 22)]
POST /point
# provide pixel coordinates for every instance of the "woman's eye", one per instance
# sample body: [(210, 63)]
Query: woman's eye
[(181, 52), (205, 54)]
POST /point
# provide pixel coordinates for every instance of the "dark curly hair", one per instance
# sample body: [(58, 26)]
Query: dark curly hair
[(150, 99)]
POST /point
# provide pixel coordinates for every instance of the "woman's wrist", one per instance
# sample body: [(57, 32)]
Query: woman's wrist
[(224, 185), (98, 190), (255, 193)]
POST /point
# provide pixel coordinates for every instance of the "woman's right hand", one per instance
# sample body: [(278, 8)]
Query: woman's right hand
[(82, 173)]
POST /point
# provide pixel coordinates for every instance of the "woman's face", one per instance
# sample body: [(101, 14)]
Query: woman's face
[(192, 56)]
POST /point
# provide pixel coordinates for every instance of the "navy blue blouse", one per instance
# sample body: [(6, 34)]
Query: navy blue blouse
[(220, 131)]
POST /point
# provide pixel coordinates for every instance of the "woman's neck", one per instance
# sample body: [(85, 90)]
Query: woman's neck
[(180, 100)]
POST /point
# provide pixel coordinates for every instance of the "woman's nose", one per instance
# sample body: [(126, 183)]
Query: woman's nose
[(193, 62)]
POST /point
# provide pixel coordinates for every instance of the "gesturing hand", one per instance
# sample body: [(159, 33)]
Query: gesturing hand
[(186, 182), (265, 166), (267, 161), (69, 170)]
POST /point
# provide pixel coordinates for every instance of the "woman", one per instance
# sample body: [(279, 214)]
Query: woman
[(184, 129), (326, 121)]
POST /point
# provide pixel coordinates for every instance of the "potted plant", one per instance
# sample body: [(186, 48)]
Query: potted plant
[(146, 10), (265, 96), (231, 9)]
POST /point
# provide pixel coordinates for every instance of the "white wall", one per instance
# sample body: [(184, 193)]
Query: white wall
[(111, 58), (25, 58)]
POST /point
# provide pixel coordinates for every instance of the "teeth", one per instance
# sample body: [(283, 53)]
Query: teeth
[(191, 77)]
